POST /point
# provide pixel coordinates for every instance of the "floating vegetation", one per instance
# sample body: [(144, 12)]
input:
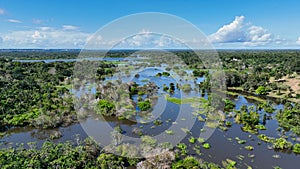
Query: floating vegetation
[(185, 100), (250, 148), (201, 140), (170, 132), (183, 148), (296, 148), (282, 143), (206, 145), (229, 163), (260, 127), (240, 141), (192, 140), (157, 122), (185, 130), (144, 105), (265, 138)]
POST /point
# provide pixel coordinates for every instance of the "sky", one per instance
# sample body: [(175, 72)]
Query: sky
[(230, 24)]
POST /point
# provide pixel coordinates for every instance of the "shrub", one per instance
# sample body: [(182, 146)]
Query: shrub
[(296, 148), (166, 74), (261, 90), (105, 108), (145, 105), (188, 162), (282, 143), (192, 140), (206, 145)]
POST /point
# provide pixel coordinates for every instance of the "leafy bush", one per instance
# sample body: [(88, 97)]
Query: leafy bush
[(261, 90), (192, 140), (296, 148), (145, 105), (229, 105), (188, 162), (200, 73), (265, 138), (105, 108), (282, 143), (166, 74), (206, 145)]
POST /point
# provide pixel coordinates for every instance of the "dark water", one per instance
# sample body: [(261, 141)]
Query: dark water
[(223, 143)]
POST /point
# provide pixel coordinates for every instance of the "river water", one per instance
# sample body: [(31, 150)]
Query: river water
[(223, 143)]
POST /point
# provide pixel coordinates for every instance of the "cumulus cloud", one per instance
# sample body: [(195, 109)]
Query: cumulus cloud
[(44, 37), (2, 11), (231, 32), (298, 41), (246, 33), (14, 21)]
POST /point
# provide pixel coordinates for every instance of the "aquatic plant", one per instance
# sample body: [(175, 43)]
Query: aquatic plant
[(144, 105), (206, 145), (296, 148)]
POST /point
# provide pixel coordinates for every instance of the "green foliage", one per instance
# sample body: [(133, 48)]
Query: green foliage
[(201, 140), (229, 164), (170, 132), (186, 163), (260, 127), (289, 118), (144, 105), (261, 90), (148, 140), (51, 155), (183, 148), (157, 122), (282, 143), (265, 138), (229, 105), (166, 74), (206, 145), (228, 123), (296, 148), (249, 119), (200, 73), (32, 93), (267, 107), (192, 140), (185, 100), (105, 108), (250, 148)]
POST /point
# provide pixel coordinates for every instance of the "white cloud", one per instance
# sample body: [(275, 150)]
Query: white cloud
[(298, 41), (2, 11), (230, 33), (44, 37), (14, 21), (259, 36), (244, 33), (70, 27)]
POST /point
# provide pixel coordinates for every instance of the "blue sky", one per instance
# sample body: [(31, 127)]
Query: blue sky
[(227, 23)]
